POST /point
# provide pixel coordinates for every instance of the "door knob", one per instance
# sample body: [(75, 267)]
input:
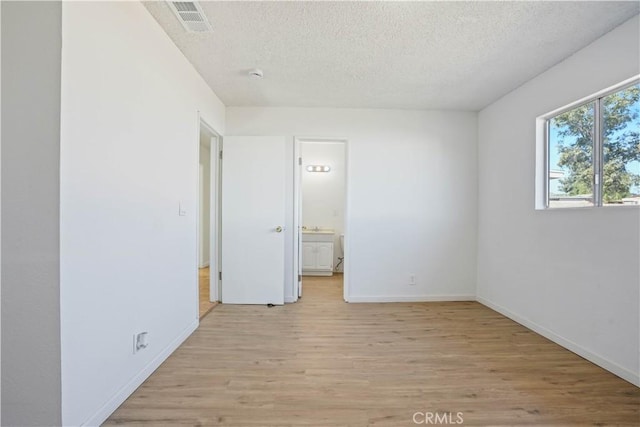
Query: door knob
[(279, 229)]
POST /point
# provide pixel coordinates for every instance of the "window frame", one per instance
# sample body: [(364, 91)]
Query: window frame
[(597, 144)]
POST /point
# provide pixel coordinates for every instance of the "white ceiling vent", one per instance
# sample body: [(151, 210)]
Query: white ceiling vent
[(191, 15)]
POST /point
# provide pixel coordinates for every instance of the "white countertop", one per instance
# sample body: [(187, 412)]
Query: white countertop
[(321, 231)]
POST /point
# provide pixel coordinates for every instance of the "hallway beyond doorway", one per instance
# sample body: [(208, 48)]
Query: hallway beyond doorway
[(205, 305)]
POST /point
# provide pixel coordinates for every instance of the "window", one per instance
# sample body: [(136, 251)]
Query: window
[(593, 152)]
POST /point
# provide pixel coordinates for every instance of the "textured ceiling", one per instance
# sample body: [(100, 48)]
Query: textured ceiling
[(414, 55)]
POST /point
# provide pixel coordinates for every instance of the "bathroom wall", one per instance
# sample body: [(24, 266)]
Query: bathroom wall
[(323, 193)]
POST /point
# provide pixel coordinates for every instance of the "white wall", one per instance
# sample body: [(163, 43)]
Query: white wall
[(412, 195), (323, 193), (0, 212), (571, 275), (31, 43), (129, 155)]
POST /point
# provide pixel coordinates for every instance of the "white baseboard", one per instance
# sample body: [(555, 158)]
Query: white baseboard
[(317, 273), (108, 408), (410, 298), (610, 366), (290, 299), (204, 265)]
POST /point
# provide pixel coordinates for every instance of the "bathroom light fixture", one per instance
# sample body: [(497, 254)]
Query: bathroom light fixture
[(318, 168)]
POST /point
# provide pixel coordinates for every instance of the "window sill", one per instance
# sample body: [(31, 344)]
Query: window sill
[(586, 208)]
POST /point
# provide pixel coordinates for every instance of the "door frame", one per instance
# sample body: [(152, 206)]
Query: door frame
[(297, 212), (214, 213)]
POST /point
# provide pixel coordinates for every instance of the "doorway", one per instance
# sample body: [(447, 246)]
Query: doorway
[(207, 223), (321, 176)]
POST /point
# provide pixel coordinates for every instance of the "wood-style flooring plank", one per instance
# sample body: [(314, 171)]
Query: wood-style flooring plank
[(322, 362)]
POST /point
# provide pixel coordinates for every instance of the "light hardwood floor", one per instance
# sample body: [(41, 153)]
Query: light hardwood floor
[(205, 305), (322, 362)]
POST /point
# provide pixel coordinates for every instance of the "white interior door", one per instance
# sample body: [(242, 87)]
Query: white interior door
[(253, 215)]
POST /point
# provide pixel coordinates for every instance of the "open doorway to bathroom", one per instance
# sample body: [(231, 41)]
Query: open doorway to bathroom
[(322, 196)]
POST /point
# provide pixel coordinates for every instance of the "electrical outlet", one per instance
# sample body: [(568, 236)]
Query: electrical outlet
[(412, 279), (140, 341)]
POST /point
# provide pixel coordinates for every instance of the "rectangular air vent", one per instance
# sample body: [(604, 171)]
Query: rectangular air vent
[(191, 16)]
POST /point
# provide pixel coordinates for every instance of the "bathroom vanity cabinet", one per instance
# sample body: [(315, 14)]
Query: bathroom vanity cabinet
[(317, 253)]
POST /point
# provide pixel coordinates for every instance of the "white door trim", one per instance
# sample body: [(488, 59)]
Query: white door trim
[(297, 214), (297, 211), (214, 219)]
